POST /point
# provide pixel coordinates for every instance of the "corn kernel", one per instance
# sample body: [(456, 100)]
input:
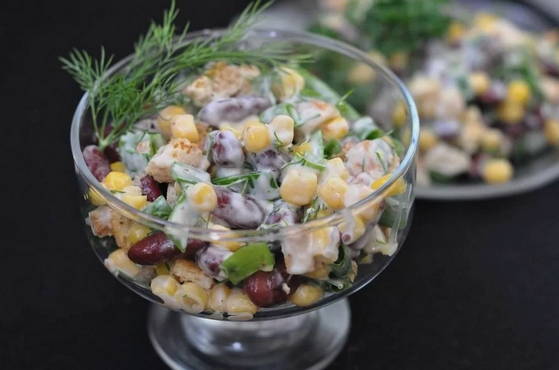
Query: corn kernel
[(118, 262), (194, 297), (283, 128), (399, 60), (238, 303), (162, 269), (227, 127), (321, 271), (303, 148), (164, 285), (323, 212), (256, 137), (479, 83), (497, 171), (332, 192), (336, 128), (306, 295), (455, 33), (551, 131), (136, 201), (229, 245), (290, 84), (397, 188), (165, 117), (427, 139), (184, 127), (518, 92), (492, 140), (361, 74), (352, 231), (299, 186), (117, 181), (118, 167), (511, 112), (218, 298), (399, 114), (137, 232), (95, 197), (202, 196), (336, 167), (485, 21)]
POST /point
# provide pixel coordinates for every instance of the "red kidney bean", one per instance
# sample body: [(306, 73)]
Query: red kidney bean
[(238, 210), (227, 151), (446, 129), (150, 188), (96, 161), (265, 288), (269, 159), (153, 250), (210, 259), (232, 109), (112, 153), (193, 246)]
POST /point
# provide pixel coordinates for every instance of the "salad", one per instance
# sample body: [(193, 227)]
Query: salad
[(486, 90), (210, 136)]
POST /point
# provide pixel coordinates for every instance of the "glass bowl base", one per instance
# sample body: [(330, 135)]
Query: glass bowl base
[(308, 341)]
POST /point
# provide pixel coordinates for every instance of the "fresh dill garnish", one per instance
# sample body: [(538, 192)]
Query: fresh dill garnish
[(236, 179), (380, 157), (150, 80)]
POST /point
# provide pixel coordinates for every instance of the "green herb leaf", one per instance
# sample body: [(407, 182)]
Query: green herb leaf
[(332, 148)]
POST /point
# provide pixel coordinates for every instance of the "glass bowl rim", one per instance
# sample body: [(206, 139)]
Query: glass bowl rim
[(331, 220)]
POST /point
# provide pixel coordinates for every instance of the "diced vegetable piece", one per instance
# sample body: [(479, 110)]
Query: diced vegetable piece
[(247, 260), (184, 173), (159, 208)]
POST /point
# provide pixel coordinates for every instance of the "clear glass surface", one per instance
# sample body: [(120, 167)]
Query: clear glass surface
[(389, 91)]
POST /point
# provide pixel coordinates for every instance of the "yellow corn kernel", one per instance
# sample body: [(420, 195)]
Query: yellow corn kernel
[(256, 137), (165, 117), (218, 297), (511, 112), (299, 186), (194, 297), (485, 21), (351, 231), (283, 128), (399, 114), (117, 181), (239, 303), (321, 271), (136, 201), (137, 232), (118, 167), (427, 139), (479, 82), (399, 60), (324, 212), (290, 84), (398, 187), (306, 295), (332, 192), (227, 127), (497, 171), (184, 127), (336, 128), (491, 140), (118, 262), (551, 131), (303, 148), (455, 33), (361, 74), (229, 245), (202, 196), (95, 197), (336, 167), (518, 92), (162, 269), (164, 285)]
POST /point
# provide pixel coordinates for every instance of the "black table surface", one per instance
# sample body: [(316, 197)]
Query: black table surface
[(474, 287)]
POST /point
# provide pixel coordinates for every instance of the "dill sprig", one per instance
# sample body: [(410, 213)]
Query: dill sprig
[(149, 81)]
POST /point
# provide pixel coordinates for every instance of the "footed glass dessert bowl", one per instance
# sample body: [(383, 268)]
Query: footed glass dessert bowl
[(245, 266)]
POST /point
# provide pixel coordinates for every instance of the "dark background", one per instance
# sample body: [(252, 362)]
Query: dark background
[(475, 286)]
